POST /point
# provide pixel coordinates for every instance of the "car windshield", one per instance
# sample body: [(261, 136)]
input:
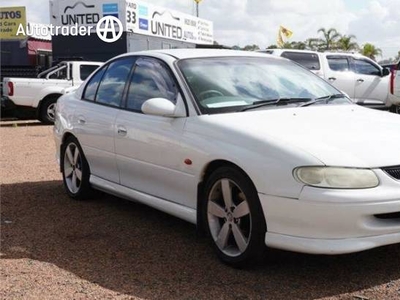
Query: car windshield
[(228, 84)]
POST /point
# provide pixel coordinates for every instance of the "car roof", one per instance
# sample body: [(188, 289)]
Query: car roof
[(280, 51), (197, 53)]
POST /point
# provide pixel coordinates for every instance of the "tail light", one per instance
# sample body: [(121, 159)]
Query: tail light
[(10, 86)]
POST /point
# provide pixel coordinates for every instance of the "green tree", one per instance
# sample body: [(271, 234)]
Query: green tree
[(298, 45), (370, 51), (397, 58), (313, 44), (251, 48), (330, 38), (273, 46), (346, 43)]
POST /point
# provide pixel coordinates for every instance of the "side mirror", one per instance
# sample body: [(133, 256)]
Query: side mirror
[(159, 107), (385, 72)]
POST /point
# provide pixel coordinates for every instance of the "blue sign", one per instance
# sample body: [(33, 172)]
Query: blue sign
[(110, 9), (143, 11), (143, 24)]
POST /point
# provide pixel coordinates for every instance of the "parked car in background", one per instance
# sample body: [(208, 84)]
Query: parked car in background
[(40, 94), (309, 59), (362, 79), (394, 86), (253, 148)]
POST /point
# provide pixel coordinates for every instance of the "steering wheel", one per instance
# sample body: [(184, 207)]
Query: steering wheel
[(209, 93)]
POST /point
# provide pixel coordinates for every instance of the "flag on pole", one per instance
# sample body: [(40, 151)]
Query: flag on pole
[(279, 41), (286, 32), (283, 32)]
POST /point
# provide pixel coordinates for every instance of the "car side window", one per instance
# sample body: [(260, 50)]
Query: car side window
[(151, 79), (340, 64), (113, 82), (91, 87), (365, 67)]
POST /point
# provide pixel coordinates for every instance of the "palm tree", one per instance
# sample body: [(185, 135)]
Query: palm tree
[(397, 58), (370, 51), (330, 37), (345, 43)]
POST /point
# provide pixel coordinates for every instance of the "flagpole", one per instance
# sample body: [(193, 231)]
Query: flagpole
[(197, 7)]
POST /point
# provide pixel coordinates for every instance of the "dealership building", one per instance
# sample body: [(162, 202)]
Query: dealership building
[(144, 26), (22, 49)]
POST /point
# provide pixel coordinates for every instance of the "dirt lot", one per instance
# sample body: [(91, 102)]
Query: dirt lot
[(108, 248)]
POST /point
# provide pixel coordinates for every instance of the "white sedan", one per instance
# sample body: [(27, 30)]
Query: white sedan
[(254, 149)]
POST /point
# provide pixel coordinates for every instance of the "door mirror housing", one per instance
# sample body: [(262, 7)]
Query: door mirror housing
[(159, 107)]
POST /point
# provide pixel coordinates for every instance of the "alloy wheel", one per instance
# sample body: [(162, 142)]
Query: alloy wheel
[(229, 217), (73, 168), (51, 111)]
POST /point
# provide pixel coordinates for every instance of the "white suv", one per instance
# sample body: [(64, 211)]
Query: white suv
[(362, 79), (394, 88)]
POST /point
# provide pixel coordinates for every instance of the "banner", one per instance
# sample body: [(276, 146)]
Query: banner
[(136, 16), (10, 20), (148, 19)]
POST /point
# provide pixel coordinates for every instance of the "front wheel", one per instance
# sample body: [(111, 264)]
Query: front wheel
[(234, 217), (75, 169)]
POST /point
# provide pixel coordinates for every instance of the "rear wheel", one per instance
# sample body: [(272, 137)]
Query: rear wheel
[(234, 217), (75, 169), (48, 110), (395, 109)]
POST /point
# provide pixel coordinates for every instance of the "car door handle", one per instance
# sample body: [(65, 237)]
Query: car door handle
[(332, 78), (122, 130), (360, 80), (81, 120)]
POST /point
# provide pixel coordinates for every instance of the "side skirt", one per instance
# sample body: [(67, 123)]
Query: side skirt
[(177, 210)]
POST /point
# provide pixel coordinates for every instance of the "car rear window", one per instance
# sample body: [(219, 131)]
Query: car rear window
[(308, 60), (86, 70)]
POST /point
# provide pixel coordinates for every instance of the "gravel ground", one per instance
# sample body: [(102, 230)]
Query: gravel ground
[(109, 248)]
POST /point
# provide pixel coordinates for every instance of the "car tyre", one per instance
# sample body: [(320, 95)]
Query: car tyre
[(48, 110), (75, 169), (233, 217), (395, 109)]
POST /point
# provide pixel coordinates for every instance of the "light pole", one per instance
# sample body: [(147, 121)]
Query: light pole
[(197, 7)]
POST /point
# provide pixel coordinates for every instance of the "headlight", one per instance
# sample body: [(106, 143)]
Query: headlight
[(337, 178)]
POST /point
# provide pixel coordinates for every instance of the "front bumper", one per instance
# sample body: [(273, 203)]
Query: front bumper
[(329, 221)]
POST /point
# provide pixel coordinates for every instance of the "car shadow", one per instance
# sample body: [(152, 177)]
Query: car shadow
[(136, 250)]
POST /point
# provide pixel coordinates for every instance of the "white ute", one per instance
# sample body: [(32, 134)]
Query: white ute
[(41, 93), (361, 78)]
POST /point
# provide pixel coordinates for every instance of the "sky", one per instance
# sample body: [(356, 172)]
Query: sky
[(243, 22)]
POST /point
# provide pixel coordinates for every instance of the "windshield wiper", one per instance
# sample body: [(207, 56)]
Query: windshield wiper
[(260, 103), (324, 98)]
